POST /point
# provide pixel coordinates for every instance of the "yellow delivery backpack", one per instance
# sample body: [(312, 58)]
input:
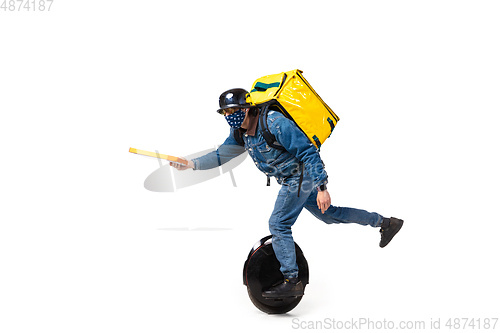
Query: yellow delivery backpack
[(291, 94)]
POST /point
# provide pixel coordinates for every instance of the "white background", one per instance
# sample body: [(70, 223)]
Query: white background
[(84, 247)]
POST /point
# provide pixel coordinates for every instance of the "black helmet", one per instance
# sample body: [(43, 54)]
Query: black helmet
[(233, 98)]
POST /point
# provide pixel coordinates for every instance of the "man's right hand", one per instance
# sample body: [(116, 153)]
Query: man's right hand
[(323, 200), (182, 167)]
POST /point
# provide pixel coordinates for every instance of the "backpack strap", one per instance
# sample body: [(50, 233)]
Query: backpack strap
[(301, 177), (238, 136), (264, 129), (272, 142)]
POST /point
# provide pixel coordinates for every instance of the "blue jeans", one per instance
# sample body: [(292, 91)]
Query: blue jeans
[(288, 207)]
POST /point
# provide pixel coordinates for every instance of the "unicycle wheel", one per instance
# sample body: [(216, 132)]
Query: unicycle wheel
[(262, 270)]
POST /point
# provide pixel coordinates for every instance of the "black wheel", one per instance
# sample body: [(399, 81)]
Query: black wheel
[(262, 270)]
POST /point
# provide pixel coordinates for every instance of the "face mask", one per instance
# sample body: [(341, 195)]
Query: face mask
[(236, 119)]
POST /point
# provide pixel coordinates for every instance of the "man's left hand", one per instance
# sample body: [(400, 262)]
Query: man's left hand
[(323, 201)]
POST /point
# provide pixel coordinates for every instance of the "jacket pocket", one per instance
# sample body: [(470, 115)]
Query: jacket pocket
[(269, 155)]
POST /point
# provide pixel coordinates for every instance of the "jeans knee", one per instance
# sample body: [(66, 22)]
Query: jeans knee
[(279, 229)]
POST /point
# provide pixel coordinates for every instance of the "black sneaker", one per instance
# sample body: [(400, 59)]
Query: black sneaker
[(388, 232), (288, 288)]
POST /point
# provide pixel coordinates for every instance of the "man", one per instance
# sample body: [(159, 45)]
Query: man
[(298, 168)]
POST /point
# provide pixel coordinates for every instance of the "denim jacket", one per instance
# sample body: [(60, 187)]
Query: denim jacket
[(283, 164)]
